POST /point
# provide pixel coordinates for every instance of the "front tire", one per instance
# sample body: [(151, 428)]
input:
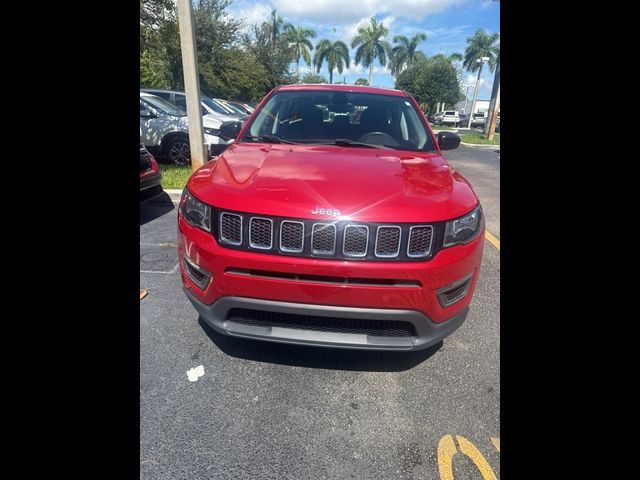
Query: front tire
[(178, 151)]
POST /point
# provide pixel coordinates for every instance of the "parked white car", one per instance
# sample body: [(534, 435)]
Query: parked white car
[(479, 119), (209, 105), (164, 129), (448, 117)]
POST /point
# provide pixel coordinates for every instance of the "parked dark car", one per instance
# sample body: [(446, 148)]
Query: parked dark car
[(150, 176), (431, 118)]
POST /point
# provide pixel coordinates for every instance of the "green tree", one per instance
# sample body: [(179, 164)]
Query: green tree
[(430, 82), (482, 44), (362, 81), (370, 44), (336, 55), (299, 43), (276, 25), (274, 57), (311, 77), (405, 53)]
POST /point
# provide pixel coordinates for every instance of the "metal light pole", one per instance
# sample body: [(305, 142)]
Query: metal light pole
[(466, 97), (481, 61), (199, 149)]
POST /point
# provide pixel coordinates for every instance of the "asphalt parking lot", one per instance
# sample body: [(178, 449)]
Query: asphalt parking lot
[(265, 410)]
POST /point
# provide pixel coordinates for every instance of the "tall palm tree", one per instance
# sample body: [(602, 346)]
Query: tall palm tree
[(370, 45), (482, 44), (336, 55), (298, 39), (405, 53), (276, 25)]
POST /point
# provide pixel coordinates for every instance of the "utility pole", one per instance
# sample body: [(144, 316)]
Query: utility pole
[(481, 61), (199, 149), (494, 115), (490, 124)]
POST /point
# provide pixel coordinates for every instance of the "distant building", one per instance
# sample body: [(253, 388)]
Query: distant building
[(481, 106)]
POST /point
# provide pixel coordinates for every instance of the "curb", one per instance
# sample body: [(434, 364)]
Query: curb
[(174, 194), (479, 145)]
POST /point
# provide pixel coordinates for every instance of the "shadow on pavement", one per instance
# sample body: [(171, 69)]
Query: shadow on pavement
[(155, 207), (318, 357)]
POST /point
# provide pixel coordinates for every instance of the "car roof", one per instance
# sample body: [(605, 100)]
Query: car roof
[(341, 88)]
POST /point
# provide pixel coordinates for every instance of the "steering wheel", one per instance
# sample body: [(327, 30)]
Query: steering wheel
[(378, 138)]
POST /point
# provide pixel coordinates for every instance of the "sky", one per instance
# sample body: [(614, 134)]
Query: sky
[(447, 24)]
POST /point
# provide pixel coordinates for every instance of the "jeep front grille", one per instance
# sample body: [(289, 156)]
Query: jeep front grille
[(420, 239), (363, 326), (338, 239), (323, 239)]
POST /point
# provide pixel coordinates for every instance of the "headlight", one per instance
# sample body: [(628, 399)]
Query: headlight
[(463, 229), (195, 212), (211, 131)]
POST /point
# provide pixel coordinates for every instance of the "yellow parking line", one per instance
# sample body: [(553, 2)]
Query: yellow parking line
[(496, 443), (470, 450), (494, 241)]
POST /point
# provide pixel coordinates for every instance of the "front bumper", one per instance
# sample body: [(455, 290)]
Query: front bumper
[(243, 278), (427, 334), (150, 184)]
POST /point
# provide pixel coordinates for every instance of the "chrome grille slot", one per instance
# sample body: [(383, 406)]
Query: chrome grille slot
[(291, 236), (261, 233), (420, 239), (388, 241), (323, 239), (231, 228), (355, 240)]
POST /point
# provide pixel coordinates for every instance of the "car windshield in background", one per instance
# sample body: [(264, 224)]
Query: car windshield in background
[(163, 106), (214, 106), (224, 105), (321, 117), (234, 108)]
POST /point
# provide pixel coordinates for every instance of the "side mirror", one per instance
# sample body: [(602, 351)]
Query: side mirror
[(448, 140), (146, 113), (230, 129)]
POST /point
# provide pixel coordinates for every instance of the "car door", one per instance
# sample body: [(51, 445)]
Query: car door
[(146, 125), (153, 127)]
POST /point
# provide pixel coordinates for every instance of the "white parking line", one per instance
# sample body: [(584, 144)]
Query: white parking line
[(173, 270)]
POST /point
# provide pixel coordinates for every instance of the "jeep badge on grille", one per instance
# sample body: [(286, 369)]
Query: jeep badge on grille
[(326, 211)]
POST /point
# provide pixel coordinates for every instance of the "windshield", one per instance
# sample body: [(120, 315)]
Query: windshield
[(235, 108), (163, 106), (224, 105), (324, 117), (214, 105)]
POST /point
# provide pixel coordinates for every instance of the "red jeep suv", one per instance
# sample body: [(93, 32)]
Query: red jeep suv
[(332, 220)]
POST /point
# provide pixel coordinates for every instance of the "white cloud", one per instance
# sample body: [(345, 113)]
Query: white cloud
[(340, 11), (254, 15), (381, 70), (354, 69)]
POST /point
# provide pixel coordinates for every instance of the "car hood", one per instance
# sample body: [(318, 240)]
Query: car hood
[(362, 184)]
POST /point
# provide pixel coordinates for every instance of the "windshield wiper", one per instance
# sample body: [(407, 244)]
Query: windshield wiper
[(270, 139), (345, 142)]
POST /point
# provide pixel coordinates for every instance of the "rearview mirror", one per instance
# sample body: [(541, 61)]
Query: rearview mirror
[(448, 140), (230, 129)]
